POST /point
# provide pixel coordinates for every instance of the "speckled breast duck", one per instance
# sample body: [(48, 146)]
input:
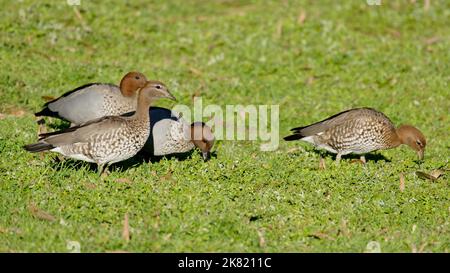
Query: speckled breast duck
[(359, 131), (109, 139)]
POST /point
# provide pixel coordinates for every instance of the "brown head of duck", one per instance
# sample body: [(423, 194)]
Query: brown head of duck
[(151, 91), (413, 137), (203, 138), (131, 83)]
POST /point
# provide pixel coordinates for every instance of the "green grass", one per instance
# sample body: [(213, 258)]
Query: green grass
[(345, 54)]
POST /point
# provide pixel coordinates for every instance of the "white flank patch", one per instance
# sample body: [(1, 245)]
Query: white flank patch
[(74, 156), (328, 148), (309, 139)]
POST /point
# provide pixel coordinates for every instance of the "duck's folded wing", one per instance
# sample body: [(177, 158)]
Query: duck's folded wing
[(333, 121), (82, 103), (84, 132)]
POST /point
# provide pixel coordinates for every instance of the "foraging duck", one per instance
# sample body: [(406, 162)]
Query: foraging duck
[(108, 139), (96, 100), (359, 131), (171, 134)]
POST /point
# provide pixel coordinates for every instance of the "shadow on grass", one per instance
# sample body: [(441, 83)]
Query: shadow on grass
[(369, 157), (141, 158), (57, 125), (61, 164), (181, 156)]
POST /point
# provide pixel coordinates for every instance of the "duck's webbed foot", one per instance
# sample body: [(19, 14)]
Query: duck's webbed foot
[(103, 170), (362, 160)]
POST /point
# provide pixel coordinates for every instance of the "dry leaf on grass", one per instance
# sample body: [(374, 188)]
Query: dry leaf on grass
[(426, 5), (310, 80), (301, 17), (48, 98), (395, 33), (123, 180), (262, 241), (293, 150), (321, 235), (322, 165), (279, 30), (437, 173), (433, 176), (402, 182), (17, 112), (40, 214), (126, 229), (14, 112), (167, 176), (420, 250), (344, 228), (90, 185), (195, 71), (432, 40)]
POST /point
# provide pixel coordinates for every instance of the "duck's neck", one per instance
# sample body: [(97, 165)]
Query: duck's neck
[(396, 139), (143, 105)]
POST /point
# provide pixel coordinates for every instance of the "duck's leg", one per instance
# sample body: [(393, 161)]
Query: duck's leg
[(41, 126), (322, 165), (362, 158), (338, 158), (102, 169)]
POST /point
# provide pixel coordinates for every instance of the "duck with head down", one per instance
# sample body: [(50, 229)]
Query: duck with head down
[(360, 131), (108, 139), (203, 138), (96, 100), (171, 134)]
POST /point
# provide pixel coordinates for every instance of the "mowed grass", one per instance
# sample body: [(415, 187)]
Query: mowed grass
[(312, 58)]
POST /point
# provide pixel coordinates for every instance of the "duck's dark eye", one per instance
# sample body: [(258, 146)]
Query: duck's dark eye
[(137, 77), (158, 87), (418, 142)]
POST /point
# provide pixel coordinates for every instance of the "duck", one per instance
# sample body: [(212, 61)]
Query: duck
[(171, 134), (359, 131), (109, 139), (95, 100)]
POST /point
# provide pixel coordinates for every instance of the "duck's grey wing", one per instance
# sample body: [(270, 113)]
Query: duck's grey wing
[(162, 123), (81, 104)]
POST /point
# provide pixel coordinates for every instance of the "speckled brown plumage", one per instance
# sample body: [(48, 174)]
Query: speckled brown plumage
[(359, 131), (109, 139)]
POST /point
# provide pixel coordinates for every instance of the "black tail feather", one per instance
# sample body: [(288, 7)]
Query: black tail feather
[(38, 147), (46, 112), (294, 137)]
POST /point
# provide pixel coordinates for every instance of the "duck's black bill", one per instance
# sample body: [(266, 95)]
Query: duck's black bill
[(206, 156)]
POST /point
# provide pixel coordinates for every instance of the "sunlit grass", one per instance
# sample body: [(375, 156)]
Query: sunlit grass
[(337, 55)]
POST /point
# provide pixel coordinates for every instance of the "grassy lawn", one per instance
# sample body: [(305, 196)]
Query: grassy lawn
[(312, 58)]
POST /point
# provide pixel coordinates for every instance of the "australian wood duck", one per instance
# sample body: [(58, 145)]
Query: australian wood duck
[(108, 139), (359, 131), (96, 100)]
